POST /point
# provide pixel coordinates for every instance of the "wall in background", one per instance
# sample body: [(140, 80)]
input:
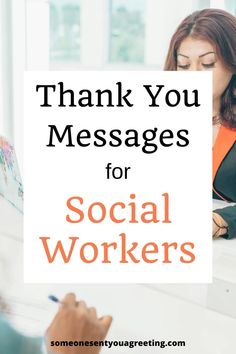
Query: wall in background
[(80, 35)]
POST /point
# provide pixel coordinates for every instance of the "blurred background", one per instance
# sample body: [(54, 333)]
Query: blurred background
[(102, 35), (80, 35)]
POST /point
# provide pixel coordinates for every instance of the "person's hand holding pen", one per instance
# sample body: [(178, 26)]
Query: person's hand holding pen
[(75, 322)]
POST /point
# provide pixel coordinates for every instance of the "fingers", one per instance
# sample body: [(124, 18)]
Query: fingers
[(69, 300), (82, 306), (93, 312), (106, 322)]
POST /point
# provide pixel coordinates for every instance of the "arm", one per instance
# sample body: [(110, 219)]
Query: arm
[(228, 218)]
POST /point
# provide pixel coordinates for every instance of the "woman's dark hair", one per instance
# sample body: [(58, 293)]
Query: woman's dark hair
[(219, 28)]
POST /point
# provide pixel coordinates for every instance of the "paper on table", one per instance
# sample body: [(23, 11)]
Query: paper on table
[(10, 181)]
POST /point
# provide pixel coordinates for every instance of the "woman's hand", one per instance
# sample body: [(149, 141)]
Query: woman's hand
[(219, 225), (75, 322)]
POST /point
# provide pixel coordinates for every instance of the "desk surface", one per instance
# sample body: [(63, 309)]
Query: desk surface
[(140, 312)]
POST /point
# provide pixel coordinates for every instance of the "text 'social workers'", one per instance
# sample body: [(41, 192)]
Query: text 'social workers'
[(120, 248), (119, 212)]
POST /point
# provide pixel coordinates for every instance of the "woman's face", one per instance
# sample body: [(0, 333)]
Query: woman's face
[(197, 55)]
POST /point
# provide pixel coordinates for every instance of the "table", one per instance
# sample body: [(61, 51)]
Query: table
[(141, 312)]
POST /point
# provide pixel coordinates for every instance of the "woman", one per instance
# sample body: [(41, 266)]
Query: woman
[(206, 40)]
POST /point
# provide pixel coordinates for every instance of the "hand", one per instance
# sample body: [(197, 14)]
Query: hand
[(219, 225), (76, 322)]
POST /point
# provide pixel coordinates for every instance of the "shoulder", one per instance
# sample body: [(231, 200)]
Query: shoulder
[(13, 342)]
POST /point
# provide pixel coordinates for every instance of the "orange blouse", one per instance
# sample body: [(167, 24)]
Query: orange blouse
[(225, 140)]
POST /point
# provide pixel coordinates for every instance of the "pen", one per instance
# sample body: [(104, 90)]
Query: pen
[(54, 299)]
